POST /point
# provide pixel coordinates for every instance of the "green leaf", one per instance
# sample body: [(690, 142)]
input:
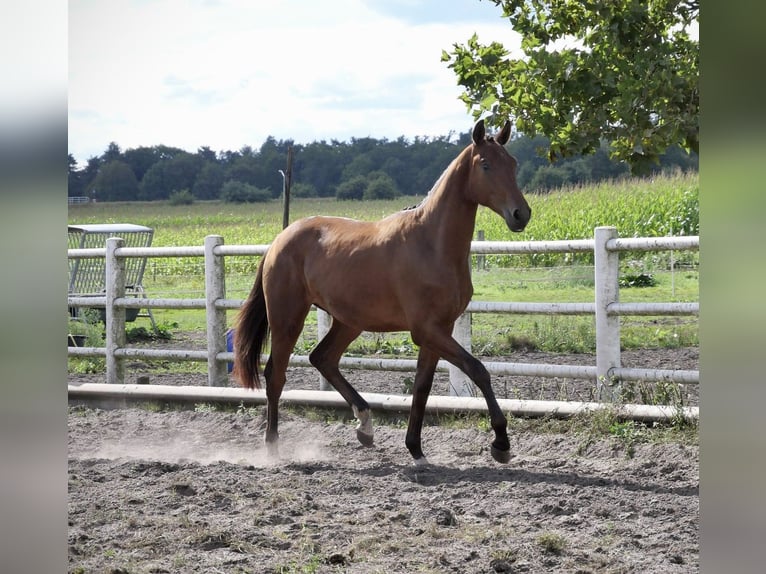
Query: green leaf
[(622, 71)]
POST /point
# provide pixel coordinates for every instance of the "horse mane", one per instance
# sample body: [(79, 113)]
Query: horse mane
[(435, 186)]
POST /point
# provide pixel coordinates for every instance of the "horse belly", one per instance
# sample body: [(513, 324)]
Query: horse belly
[(365, 305)]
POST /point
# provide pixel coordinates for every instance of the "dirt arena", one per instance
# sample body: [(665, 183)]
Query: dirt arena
[(154, 491)]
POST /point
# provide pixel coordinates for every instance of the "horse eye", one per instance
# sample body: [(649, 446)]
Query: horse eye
[(485, 164)]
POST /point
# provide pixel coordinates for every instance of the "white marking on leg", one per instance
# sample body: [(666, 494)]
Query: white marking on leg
[(423, 461)]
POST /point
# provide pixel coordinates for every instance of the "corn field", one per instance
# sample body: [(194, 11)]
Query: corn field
[(665, 205)]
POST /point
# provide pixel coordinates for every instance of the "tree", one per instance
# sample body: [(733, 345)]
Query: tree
[(243, 168), (624, 71), (170, 175), (206, 154), (112, 153), (321, 164), (548, 178), (140, 159), (115, 182), (75, 183), (209, 181)]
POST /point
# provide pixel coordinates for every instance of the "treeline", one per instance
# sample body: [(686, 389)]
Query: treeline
[(363, 168)]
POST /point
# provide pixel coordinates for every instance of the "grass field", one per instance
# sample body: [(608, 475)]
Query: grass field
[(666, 205)]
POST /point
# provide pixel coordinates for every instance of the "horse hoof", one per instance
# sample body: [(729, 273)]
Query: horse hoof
[(365, 439), (501, 456), (422, 461)]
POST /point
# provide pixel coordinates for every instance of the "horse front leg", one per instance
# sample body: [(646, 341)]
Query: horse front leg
[(453, 352), (424, 377), (501, 446)]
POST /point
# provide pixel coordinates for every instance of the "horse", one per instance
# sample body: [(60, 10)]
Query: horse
[(406, 272)]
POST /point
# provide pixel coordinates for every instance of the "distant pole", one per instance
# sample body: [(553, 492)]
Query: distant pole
[(286, 181), (285, 208), (481, 260)]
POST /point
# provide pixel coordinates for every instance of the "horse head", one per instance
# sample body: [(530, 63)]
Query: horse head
[(492, 179)]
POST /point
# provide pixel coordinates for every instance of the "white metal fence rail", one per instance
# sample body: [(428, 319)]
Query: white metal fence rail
[(608, 374)]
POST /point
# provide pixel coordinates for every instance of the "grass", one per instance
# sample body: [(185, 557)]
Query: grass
[(667, 204)]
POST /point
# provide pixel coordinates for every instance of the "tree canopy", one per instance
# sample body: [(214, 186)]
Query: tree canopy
[(621, 71), (365, 168)]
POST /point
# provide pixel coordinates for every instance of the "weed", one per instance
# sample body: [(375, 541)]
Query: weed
[(565, 334), (628, 433), (204, 408), (308, 560), (384, 344), (659, 393), (639, 280), (504, 555), (153, 406), (248, 411), (87, 366), (551, 542), (140, 333)]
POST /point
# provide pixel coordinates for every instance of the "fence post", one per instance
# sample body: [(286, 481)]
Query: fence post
[(215, 289), (460, 385), (115, 317), (324, 320), (607, 267)]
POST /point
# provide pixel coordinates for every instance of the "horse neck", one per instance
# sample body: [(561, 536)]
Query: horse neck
[(447, 212)]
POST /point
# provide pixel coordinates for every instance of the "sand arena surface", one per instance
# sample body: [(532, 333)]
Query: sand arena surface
[(194, 491)]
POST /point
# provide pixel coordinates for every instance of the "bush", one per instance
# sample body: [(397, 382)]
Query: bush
[(352, 189), (240, 192), (382, 186), (181, 197)]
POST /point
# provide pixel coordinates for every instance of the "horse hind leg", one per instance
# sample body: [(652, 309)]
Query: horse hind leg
[(283, 339), (424, 377), (326, 358), (273, 392)]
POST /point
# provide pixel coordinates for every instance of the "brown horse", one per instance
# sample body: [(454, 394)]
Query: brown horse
[(406, 272)]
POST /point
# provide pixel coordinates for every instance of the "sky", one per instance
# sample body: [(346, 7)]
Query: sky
[(230, 73)]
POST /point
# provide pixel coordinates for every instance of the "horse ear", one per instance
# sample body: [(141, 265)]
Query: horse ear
[(505, 134), (478, 132)]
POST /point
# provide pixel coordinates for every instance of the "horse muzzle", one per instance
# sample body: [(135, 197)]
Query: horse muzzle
[(516, 219)]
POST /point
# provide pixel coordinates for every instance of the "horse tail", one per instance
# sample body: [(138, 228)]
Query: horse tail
[(251, 334)]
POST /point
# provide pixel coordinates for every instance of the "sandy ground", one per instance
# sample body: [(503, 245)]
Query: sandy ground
[(193, 491), (189, 491)]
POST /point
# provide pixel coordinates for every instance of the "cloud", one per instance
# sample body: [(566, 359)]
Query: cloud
[(182, 90), (434, 11), (231, 73)]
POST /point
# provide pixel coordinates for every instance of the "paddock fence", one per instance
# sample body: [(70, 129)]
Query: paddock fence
[(607, 374)]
